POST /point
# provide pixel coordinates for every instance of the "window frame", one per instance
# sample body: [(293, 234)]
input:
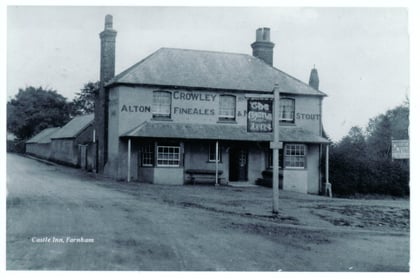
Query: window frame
[(157, 114), (298, 153), (225, 117), (149, 150), (160, 153), (283, 110)]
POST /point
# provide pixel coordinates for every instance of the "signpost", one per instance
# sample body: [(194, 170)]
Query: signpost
[(263, 117), (275, 145)]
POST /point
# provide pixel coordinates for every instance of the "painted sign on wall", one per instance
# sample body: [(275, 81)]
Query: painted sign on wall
[(193, 96), (260, 116), (306, 116), (135, 108)]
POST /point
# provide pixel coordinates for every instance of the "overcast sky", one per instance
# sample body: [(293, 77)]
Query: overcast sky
[(361, 53)]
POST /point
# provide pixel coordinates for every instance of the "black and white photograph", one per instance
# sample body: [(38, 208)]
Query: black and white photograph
[(208, 138)]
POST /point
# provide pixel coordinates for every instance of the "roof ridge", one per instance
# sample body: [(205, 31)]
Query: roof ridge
[(67, 126), (82, 116), (207, 51)]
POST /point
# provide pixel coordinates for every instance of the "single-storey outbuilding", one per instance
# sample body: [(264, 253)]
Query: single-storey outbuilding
[(65, 143), (40, 144)]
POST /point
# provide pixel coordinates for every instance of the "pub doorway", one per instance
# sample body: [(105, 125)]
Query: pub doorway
[(238, 164)]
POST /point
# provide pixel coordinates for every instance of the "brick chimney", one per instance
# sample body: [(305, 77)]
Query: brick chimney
[(314, 79), (262, 47), (107, 50), (107, 72)]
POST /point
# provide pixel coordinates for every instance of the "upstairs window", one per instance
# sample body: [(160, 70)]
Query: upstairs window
[(227, 107), (287, 110), (295, 156), (162, 104)]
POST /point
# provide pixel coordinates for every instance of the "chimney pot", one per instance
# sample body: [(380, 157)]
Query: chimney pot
[(263, 47), (107, 36), (314, 79), (108, 22)]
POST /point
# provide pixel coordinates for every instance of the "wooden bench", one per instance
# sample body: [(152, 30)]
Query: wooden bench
[(203, 175)]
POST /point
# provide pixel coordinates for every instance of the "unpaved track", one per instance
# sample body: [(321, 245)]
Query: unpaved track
[(146, 227)]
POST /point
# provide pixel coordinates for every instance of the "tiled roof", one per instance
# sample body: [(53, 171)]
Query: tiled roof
[(74, 127), (157, 129), (44, 136), (213, 70)]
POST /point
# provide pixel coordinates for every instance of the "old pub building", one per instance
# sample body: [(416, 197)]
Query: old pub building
[(183, 116)]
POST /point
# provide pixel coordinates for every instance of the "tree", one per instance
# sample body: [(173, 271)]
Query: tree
[(34, 109), (391, 176), (385, 127), (84, 102), (399, 118), (361, 162), (379, 137), (348, 159)]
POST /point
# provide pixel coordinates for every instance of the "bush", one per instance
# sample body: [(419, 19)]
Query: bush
[(361, 162), (16, 146)]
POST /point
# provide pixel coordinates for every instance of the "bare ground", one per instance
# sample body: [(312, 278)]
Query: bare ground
[(148, 227)]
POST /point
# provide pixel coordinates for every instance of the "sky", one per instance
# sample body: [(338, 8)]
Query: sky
[(362, 54)]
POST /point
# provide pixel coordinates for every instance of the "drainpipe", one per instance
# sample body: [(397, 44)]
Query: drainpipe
[(96, 154), (328, 188), (217, 163), (129, 161)]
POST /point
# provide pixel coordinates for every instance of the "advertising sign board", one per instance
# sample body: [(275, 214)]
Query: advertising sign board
[(400, 149), (260, 115)]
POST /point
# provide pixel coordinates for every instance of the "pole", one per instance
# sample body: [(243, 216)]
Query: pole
[(129, 161), (217, 163), (95, 150), (328, 186), (276, 107), (327, 163)]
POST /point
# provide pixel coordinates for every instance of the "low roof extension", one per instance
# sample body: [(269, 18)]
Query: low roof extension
[(74, 127), (156, 129), (43, 137)]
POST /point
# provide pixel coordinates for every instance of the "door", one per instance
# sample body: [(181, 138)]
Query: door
[(83, 156), (238, 164)]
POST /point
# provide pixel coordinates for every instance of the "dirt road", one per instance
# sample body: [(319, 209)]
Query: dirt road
[(59, 218)]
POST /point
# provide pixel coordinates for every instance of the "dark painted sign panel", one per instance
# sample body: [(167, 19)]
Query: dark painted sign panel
[(260, 115)]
